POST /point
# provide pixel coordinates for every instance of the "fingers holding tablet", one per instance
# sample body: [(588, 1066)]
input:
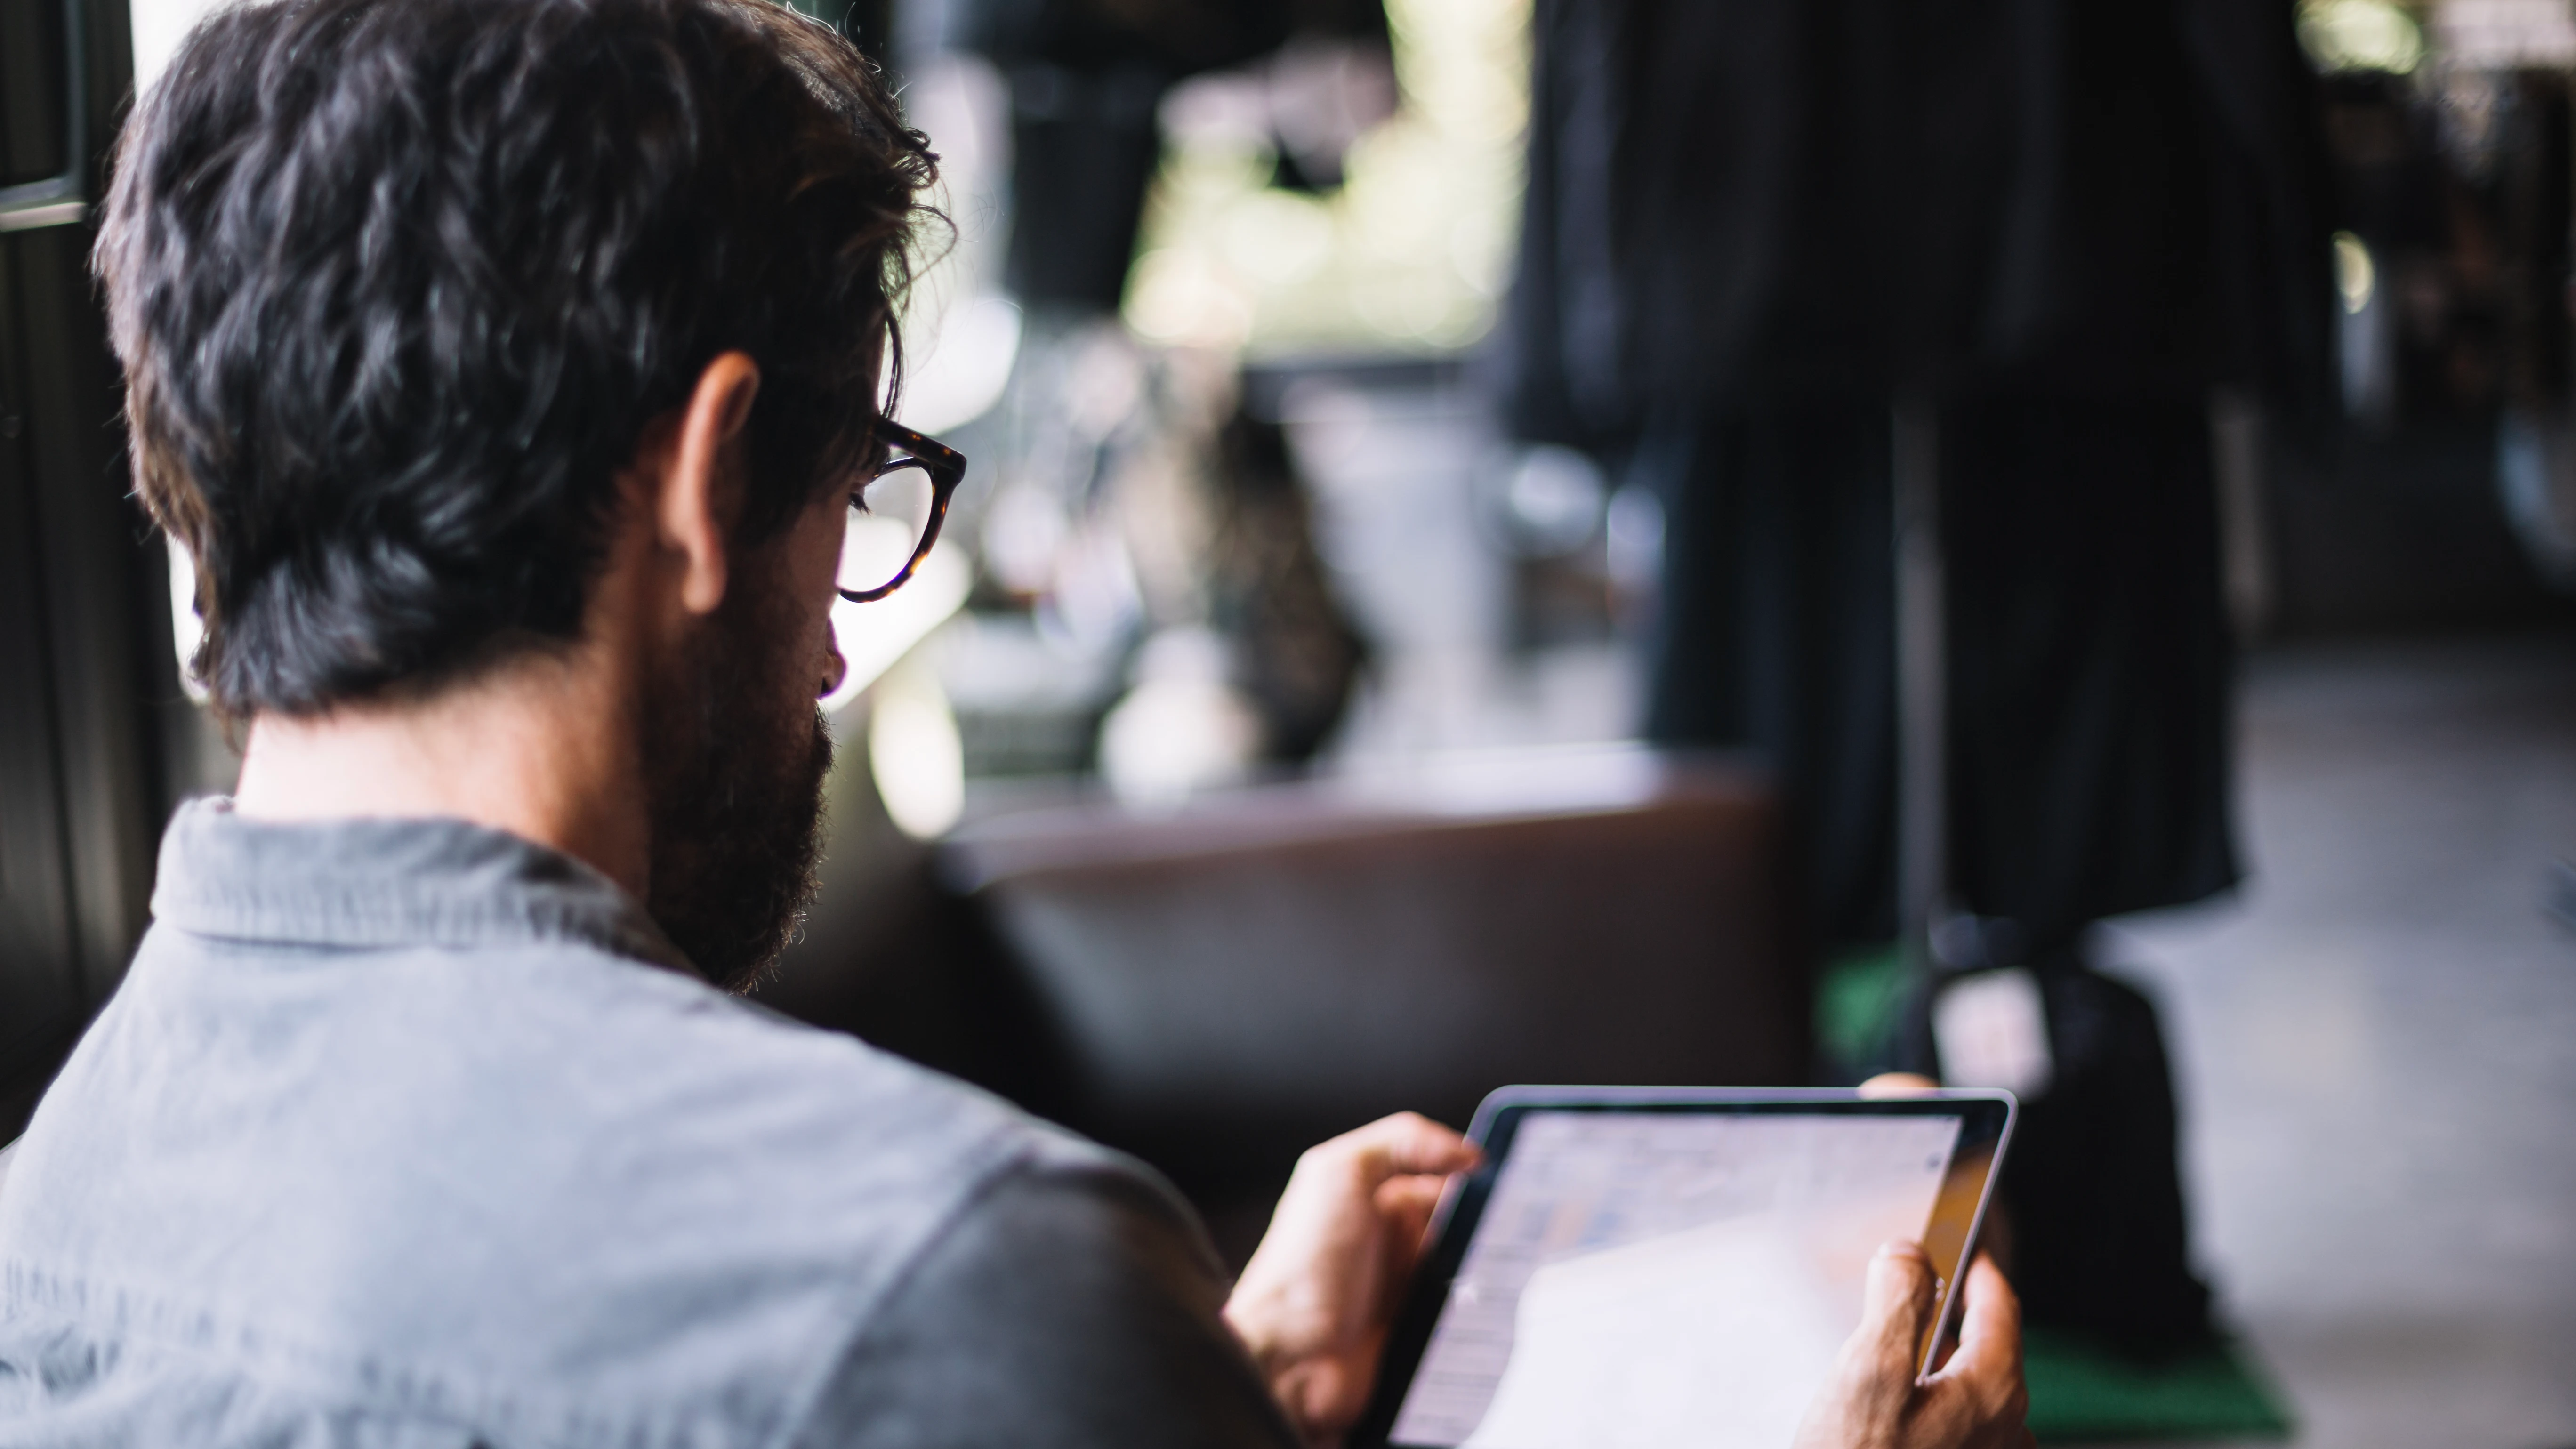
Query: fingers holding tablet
[(1312, 1305), (1863, 1405), (1406, 1142), (1979, 1393), (1874, 1401)]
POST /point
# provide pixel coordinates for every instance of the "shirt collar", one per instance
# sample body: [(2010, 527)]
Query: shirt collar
[(381, 882)]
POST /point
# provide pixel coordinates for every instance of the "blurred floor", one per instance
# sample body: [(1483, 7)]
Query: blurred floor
[(2376, 1043)]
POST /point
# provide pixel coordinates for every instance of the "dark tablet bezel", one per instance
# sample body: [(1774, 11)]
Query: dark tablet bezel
[(1985, 1130)]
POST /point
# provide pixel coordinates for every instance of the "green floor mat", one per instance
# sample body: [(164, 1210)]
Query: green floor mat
[(1858, 997), (2080, 1394)]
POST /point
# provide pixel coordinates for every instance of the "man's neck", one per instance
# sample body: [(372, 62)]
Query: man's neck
[(544, 749)]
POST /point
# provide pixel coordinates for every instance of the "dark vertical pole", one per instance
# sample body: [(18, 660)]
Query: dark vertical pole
[(1922, 692)]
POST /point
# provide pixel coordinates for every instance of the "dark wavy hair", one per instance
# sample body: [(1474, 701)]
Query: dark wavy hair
[(398, 284)]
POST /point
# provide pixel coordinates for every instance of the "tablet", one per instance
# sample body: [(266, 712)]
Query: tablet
[(1664, 1267)]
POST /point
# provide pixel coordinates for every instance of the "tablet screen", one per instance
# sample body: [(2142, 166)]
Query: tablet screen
[(1662, 1278)]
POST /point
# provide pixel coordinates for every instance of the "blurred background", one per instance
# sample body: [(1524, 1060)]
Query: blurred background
[(1524, 540)]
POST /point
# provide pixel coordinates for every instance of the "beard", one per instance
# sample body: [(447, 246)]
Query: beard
[(735, 754)]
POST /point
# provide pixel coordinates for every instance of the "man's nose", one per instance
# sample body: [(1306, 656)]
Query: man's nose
[(835, 668)]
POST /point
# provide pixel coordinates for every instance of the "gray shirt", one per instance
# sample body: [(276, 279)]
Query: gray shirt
[(405, 1132)]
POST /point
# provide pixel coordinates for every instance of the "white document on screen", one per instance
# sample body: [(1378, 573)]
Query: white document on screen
[(1667, 1280), (1715, 1336)]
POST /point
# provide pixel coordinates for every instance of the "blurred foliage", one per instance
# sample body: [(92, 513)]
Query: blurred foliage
[(1410, 253)]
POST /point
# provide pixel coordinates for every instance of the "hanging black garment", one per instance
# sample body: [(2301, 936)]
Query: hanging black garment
[(2088, 674), (1779, 580), (1733, 202), (1751, 223), (2089, 660)]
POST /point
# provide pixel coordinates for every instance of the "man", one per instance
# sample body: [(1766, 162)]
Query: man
[(508, 367)]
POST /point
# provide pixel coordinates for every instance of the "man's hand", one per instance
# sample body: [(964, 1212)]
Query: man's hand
[(1314, 1303), (1974, 1401)]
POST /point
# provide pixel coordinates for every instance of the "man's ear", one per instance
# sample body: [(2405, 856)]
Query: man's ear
[(701, 493)]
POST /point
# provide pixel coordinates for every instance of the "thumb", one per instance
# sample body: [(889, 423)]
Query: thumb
[(1896, 1307), (1864, 1403), (1409, 1142)]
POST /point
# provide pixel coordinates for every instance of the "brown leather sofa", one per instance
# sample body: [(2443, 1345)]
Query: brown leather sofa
[(1265, 966)]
